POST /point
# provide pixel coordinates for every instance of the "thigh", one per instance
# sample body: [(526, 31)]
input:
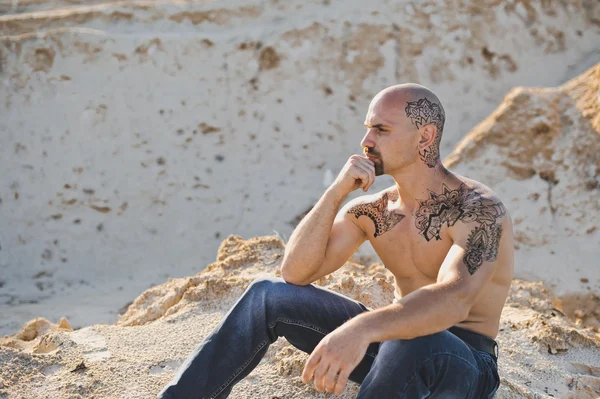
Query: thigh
[(439, 365), (306, 314), (310, 305)]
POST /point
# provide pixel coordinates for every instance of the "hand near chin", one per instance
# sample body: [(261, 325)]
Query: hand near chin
[(339, 352), (358, 172)]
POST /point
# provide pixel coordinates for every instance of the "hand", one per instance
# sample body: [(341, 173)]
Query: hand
[(358, 172), (340, 351)]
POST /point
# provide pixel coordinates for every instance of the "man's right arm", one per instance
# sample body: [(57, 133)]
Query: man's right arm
[(322, 242)]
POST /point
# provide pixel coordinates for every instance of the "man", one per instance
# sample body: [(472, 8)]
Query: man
[(446, 239)]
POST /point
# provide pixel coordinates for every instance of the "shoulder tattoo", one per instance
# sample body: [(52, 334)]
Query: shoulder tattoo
[(468, 206), (377, 211), (482, 244)]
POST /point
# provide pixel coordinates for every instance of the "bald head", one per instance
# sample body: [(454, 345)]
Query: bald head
[(421, 107), (420, 104)]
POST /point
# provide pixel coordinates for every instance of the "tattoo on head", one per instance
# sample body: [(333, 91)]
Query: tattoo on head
[(468, 206), (423, 112), (377, 211)]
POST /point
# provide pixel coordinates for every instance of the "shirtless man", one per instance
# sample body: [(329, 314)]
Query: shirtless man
[(446, 239)]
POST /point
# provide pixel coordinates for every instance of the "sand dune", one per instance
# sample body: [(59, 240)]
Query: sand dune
[(542, 352), (136, 135)]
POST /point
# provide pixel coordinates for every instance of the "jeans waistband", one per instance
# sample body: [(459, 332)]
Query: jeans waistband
[(476, 340)]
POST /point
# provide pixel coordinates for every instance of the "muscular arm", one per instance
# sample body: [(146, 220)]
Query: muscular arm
[(306, 248), (426, 311)]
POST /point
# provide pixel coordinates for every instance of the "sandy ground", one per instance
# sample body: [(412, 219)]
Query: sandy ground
[(543, 353), (136, 135)]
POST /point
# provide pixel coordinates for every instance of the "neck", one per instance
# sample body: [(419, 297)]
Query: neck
[(415, 181)]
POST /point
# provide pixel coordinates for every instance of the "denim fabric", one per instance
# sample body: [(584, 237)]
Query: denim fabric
[(434, 366)]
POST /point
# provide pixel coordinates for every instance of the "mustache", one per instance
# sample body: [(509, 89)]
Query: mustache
[(370, 151)]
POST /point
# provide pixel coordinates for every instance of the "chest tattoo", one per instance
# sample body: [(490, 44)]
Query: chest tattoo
[(464, 204), (468, 206), (377, 211)]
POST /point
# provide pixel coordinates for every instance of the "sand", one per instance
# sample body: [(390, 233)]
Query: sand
[(136, 135), (139, 139), (543, 353)]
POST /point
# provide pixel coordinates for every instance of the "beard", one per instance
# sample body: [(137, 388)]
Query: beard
[(379, 168), (378, 163)]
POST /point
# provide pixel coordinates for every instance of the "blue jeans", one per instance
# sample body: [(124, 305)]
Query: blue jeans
[(440, 365)]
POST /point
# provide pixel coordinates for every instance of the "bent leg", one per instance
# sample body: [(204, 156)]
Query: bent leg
[(304, 315), (268, 309), (439, 366)]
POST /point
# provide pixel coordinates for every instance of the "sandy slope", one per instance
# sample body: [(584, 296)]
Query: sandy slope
[(136, 135), (540, 151), (543, 354)]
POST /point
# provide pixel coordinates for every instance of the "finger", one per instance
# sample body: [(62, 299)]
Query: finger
[(359, 173), (370, 168), (368, 160), (373, 177), (329, 380), (342, 380), (363, 175), (359, 156), (320, 373), (310, 366)]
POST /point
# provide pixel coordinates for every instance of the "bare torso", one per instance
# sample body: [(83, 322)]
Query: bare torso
[(414, 256)]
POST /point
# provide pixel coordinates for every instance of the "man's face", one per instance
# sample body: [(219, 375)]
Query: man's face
[(390, 142)]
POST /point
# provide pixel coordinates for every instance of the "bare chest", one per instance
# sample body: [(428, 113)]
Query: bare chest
[(407, 249)]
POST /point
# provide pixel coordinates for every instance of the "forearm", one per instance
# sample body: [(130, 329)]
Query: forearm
[(426, 311), (306, 248)]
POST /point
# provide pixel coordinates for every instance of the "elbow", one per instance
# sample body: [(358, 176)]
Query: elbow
[(298, 283), (290, 278), (294, 281)]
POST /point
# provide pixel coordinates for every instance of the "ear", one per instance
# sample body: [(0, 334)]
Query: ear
[(427, 136)]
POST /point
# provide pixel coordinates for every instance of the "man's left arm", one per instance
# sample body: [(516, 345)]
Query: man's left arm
[(467, 268)]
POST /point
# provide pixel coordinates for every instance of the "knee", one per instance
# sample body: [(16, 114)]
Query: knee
[(274, 292), (266, 288), (265, 283)]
